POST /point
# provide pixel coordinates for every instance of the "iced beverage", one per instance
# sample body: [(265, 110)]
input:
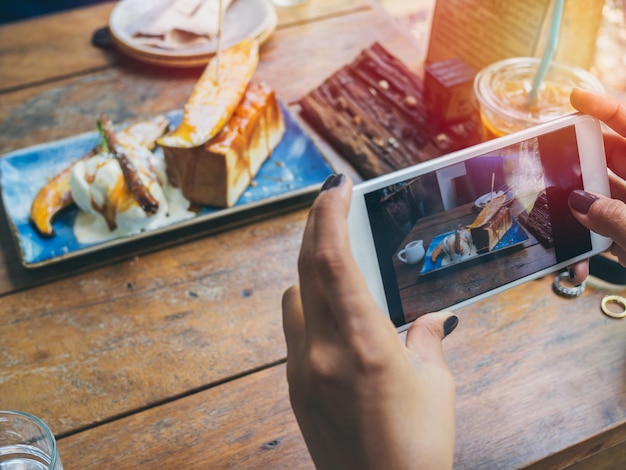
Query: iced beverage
[(502, 92)]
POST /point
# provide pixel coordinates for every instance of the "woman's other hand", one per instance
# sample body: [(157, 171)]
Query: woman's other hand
[(604, 215)]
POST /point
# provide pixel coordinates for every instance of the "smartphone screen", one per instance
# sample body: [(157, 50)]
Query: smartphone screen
[(460, 257)]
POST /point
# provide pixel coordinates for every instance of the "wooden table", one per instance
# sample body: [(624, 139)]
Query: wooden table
[(172, 356)]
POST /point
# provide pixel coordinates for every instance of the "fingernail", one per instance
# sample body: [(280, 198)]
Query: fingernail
[(333, 181), (450, 324), (581, 201), (572, 274)]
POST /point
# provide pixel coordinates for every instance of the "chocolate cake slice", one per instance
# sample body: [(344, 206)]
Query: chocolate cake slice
[(373, 113), (538, 221)]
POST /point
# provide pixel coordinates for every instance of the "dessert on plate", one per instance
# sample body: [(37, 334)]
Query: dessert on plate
[(60, 191), (142, 178), (227, 131), (217, 172), (491, 224)]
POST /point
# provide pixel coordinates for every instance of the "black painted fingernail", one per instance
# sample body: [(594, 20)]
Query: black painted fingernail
[(328, 182), (581, 200), (572, 274), (450, 324), (333, 181)]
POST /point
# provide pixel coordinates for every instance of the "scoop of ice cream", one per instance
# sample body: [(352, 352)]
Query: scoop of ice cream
[(457, 245), (99, 189)]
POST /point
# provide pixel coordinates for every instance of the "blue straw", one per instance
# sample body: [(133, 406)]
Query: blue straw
[(553, 40)]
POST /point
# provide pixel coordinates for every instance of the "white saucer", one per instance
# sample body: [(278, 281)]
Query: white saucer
[(483, 200), (244, 18)]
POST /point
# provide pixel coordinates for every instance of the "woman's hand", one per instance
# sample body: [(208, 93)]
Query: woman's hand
[(362, 398), (603, 215)]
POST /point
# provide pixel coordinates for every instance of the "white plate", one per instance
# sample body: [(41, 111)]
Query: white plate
[(244, 18), (485, 198)]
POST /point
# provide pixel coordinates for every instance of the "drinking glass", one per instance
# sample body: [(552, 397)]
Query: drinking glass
[(26, 443)]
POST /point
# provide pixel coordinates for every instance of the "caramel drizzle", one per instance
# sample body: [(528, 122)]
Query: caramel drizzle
[(135, 185)]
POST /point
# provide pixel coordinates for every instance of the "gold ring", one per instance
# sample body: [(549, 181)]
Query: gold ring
[(614, 299)]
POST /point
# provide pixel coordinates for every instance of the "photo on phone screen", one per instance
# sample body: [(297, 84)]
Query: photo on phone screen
[(482, 222)]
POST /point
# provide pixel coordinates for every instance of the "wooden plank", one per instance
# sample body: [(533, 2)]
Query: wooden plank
[(605, 451), (536, 374), (527, 367), (28, 56), (406, 8), (137, 332), (317, 10), (234, 425), (609, 459), (319, 49), (71, 106), (46, 47)]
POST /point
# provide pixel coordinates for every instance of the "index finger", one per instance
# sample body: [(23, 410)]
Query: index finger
[(615, 149), (604, 215), (606, 108)]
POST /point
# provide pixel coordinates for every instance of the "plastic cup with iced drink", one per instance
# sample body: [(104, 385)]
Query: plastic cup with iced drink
[(502, 90)]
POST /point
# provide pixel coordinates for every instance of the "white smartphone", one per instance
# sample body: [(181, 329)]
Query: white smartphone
[(458, 228)]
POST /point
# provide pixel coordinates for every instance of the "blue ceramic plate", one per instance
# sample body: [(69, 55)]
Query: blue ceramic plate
[(294, 169), (513, 237)]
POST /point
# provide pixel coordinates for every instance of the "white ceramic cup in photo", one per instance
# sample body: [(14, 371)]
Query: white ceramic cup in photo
[(26, 443), (412, 253)]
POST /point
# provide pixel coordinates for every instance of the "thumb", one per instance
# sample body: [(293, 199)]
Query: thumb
[(600, 214), (425, 334), (293, 319)]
